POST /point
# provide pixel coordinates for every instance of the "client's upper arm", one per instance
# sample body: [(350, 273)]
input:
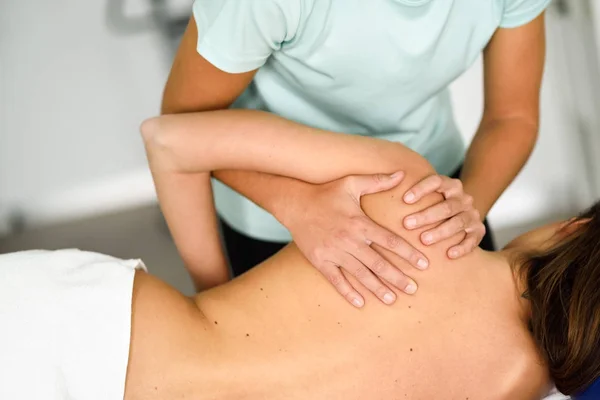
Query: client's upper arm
[(264, 142)]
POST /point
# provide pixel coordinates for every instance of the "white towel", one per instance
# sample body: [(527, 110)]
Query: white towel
[(556, 395), (66, 321)]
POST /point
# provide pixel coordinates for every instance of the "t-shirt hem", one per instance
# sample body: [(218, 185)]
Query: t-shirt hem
[(225, 64), (259, 233), (525, 17)]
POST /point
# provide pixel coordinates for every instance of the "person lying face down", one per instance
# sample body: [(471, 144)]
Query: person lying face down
[(490, 325), (559, 267)]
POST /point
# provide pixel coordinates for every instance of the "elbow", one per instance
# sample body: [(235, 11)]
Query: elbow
[(163, 148), (154, 134), (150, 130), (155, 141)]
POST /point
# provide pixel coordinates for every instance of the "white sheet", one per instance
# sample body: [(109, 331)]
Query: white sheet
[(66, 318), (555, 395)]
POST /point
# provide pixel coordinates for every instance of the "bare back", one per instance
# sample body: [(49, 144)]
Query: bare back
[(281, 332)]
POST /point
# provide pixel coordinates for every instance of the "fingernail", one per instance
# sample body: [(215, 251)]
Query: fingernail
[(411, 288), (410, 222), (428, 238), (409, 197), (388, 298), (422, 263), (396, 174), (454, 253), (357, 302)]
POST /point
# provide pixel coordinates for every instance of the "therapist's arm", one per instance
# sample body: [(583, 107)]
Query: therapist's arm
[(513, 69), (196, 85), (194, 144)]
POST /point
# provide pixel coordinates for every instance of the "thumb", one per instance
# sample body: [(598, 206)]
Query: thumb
[(368, 184)]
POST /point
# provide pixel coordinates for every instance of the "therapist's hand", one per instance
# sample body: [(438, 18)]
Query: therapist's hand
[(457, 210), (331, 230)]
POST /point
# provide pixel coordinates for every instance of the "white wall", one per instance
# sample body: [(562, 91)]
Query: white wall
[(594, 17), (554, 183), (73, 95)]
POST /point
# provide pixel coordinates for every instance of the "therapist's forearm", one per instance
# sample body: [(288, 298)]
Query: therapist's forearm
[(497, 153), (270, 192)]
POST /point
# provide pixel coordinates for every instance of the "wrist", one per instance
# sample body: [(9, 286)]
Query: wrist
[(290, 201), (205, 283), (270, 192), (479, 202), (208, 276)]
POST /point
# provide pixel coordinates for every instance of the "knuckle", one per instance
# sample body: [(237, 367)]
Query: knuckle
[(447, 209), (344, 290), (316, 255), (348, 183), (445, 232), (361, 272), (464, 221), (393, 241), (457, 183), (328, 244), (477, 216), (436, 180), (378, 265), (342, 234), (468, 200), (335, 279), (468, 246), (349, 180), (378, 178), (356, 222)]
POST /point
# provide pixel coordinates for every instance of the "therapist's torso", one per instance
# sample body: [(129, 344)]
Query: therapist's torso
[(379, 68)]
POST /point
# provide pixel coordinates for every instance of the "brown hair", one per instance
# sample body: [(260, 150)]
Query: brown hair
[(563, 285)]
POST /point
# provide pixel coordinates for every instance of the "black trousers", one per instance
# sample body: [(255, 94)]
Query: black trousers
[(245, 252)]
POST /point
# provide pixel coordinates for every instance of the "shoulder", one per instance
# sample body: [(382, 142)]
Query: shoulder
[(529, 378), (266, 14), (239, 35)]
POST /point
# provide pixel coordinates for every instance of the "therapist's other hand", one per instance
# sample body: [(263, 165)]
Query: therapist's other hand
[(332, 231), (456, 210)]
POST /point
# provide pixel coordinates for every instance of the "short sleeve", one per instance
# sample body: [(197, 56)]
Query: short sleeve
[(520, 12), (239, 35)]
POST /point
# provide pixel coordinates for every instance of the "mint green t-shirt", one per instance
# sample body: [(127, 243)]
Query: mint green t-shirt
[(365, 67)]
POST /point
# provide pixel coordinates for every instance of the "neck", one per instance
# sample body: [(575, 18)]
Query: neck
[(508, 260)]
